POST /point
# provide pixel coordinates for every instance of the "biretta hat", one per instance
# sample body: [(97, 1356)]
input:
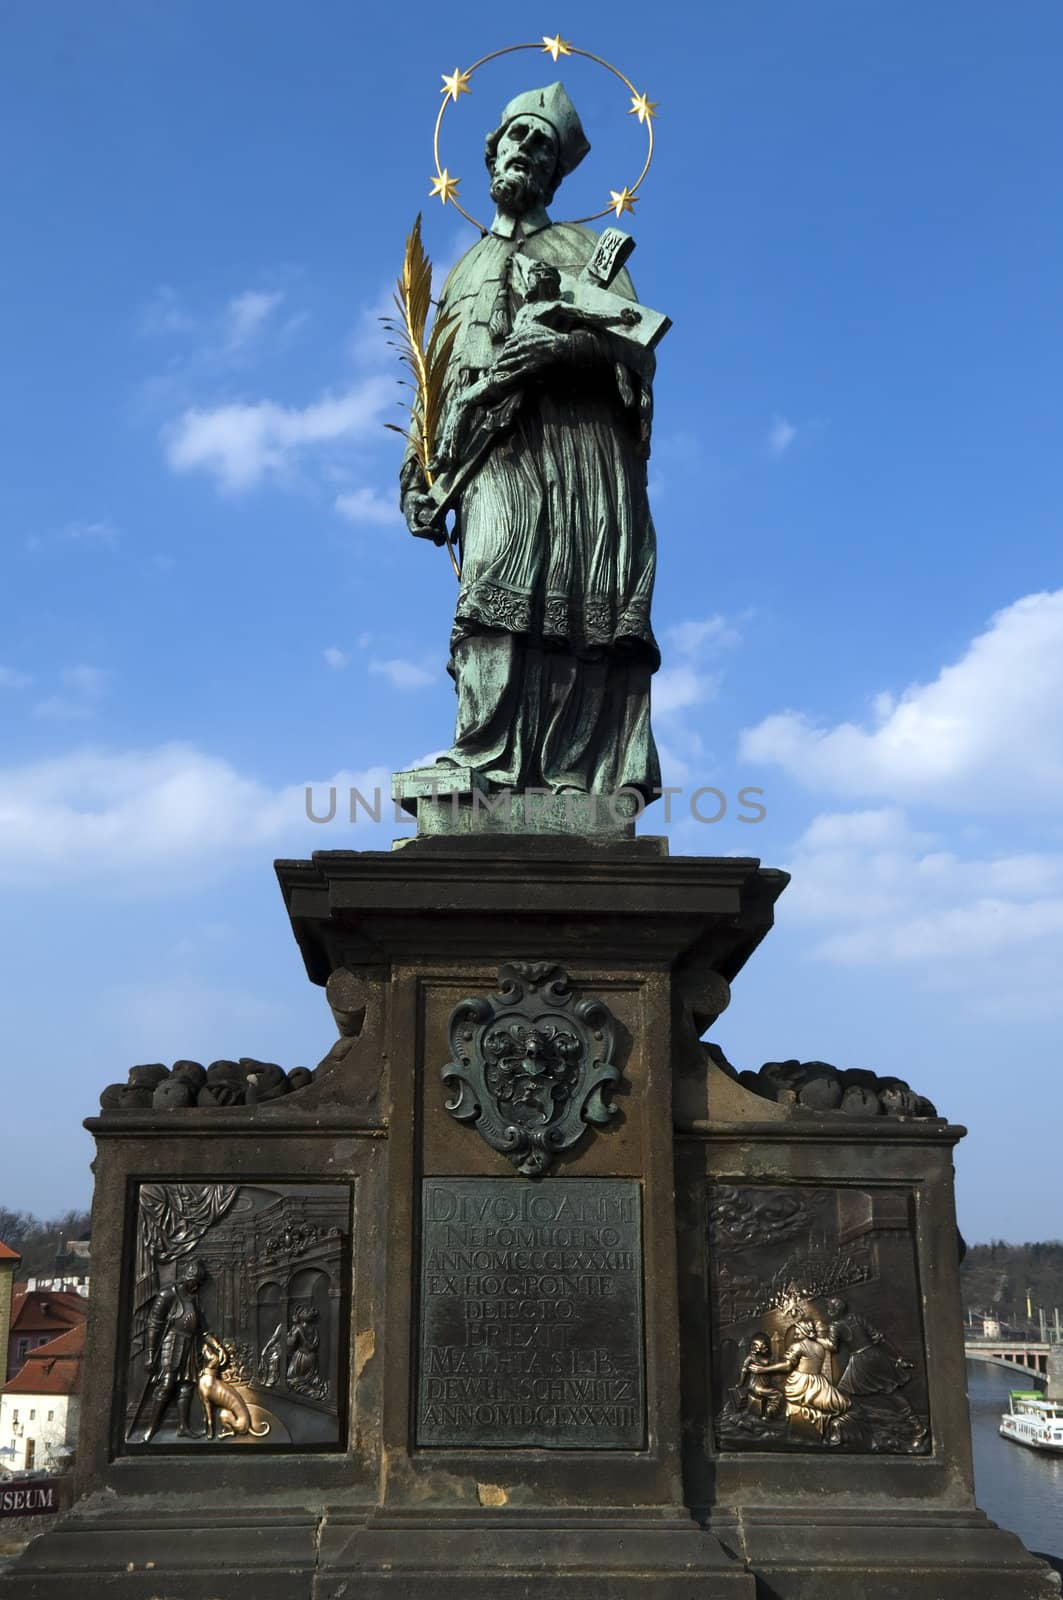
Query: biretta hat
[(552, 105)]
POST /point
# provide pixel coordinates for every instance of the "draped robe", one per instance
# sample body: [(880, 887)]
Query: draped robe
[(552, 649)]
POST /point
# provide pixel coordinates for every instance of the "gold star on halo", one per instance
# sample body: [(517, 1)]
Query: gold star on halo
[(556, 46), (643, 108), (622, 200), (455, 83), (445, 187)]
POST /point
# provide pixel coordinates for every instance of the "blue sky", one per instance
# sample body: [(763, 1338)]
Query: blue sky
[(853, 221)]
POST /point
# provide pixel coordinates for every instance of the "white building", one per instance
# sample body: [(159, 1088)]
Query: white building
[(71, 1272), (63, 1283), (39, 1407)]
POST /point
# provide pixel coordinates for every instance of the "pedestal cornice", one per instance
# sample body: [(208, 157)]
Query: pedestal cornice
[(629, 903)]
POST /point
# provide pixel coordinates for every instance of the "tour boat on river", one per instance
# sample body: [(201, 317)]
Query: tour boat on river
[(1031, 1419)]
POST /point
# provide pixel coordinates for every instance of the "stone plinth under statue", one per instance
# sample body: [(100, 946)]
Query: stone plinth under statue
[(526, 1290)]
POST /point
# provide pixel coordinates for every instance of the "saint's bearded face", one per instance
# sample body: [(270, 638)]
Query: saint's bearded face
[(525, 163)]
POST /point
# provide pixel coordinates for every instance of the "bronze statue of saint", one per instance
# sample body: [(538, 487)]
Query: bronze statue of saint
[(552, 649)]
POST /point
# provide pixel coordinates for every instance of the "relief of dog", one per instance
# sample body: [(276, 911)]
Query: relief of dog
[(220, 1399)]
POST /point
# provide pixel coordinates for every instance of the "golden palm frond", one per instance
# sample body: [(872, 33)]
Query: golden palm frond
[(427, 362)]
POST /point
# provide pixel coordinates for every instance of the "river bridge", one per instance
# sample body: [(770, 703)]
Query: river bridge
[(1030, 1356)]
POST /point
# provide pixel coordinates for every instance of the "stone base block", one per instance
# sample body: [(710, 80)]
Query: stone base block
[(455, 802), (250, 1556), (504, 1555), (509, 1555), (616, 1555), (869, 1555)]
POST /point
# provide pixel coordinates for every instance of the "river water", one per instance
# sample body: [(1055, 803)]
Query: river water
[(1022, 1489)]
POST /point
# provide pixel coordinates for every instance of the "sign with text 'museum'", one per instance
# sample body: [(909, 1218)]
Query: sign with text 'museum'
[(28, 1499), (531, 1328)]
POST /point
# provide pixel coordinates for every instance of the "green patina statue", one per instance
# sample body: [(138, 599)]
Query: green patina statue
[(541, 452)]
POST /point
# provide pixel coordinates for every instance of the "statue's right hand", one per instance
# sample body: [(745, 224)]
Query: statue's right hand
[(423, 517)]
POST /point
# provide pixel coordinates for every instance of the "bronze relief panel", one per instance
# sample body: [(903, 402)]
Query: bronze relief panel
[(817, 1337), (237, 1316)]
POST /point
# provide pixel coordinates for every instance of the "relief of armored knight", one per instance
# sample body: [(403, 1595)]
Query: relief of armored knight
[(253, 1323)]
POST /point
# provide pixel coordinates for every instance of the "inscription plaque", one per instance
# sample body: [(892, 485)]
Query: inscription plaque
[(531, 1314)]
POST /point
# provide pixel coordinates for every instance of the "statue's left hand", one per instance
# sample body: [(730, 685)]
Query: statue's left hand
[(528, 350)]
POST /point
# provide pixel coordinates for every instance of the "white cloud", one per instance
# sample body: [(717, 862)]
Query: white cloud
[(688, 638), (678, 688), (781, 436), (951, 907), (154, 818), (165, 314), (247, 314), (428, 759), (366, 505), (983, 736), (84, 688), (336, 659), (403, 674), (10, 679), (225, 331), (874, 891), (687, 680), (239, 444)]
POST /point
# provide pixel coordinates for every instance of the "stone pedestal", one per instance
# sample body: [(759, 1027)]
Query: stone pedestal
[(540, 1226)]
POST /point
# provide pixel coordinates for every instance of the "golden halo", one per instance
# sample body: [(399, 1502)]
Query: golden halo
[(456, 83)]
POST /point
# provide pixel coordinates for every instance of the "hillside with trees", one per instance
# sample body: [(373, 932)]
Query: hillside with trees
[(996, 1278), (38, 1241)]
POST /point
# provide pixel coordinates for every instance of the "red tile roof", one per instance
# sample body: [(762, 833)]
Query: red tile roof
[(46, 1311), (53, 1368), (7, 1254)]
